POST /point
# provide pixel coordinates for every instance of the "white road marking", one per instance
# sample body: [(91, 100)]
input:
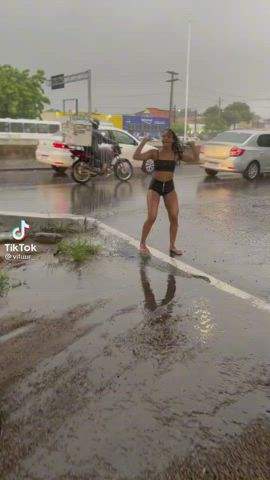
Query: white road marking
[(215, 282), (184, 267)]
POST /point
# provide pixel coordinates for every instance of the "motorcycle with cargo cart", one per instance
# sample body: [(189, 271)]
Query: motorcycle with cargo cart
[(93, 153)]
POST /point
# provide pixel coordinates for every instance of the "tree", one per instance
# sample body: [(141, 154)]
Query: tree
[(231, 117), (237, 112), (213, 120), (256, 121), (179, 128), (21, 95)]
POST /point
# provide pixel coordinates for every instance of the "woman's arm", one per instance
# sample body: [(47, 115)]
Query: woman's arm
[(191, 155), (144, 156)]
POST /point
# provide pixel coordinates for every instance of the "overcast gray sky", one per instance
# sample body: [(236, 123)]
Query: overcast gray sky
[(129, 45)]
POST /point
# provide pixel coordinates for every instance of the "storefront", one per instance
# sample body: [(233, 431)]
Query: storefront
[(145, 126)]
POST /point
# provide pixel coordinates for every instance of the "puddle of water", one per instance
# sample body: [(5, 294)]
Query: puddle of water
[(168, 366)]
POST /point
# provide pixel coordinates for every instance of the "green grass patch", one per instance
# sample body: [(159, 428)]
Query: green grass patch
[(78, 250), (4, 283)]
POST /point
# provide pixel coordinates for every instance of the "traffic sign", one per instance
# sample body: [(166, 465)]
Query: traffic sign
[(58, 81)]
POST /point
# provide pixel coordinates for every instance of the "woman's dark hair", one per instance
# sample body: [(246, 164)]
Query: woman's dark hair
[(177, 146)]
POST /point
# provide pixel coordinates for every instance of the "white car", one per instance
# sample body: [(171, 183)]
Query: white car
[(188, 139), (52, 151)]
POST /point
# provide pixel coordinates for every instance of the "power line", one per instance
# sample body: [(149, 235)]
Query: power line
[(227, 94), (219, 92), (193, 95), (133, 95)]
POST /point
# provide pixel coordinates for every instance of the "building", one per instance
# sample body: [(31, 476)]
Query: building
[(195, 121), (145, 125), (153, 112), (110, 120), (135, 124)]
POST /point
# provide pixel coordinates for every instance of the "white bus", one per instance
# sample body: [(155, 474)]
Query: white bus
[(25, 129)]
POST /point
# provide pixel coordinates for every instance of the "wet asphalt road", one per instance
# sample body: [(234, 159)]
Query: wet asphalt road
[(224, 221), (109, 385), (106, 384)]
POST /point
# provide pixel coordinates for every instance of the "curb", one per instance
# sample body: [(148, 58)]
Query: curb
[(26, 169), (39, 221)]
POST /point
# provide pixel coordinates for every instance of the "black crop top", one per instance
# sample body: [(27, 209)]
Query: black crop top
[(164, 165)]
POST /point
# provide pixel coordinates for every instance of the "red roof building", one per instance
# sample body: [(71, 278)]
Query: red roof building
[(153, 112)]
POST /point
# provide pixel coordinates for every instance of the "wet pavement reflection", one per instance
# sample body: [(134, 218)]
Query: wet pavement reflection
[(135, 363), (91, 197), (236, 207), (160, 328), (227, 187), (224, 227), (150, 302), (59, 189)]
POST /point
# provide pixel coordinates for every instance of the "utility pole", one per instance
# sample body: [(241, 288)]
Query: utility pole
[(195, 121), (174, 114), (187, 78), (171, 81), (89, 89), (219, 107)]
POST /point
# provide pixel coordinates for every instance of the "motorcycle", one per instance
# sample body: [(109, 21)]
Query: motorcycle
[(89, 164)]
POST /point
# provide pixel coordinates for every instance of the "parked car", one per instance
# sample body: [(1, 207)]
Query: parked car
[(186, 140), (53, 151), (237, 151)]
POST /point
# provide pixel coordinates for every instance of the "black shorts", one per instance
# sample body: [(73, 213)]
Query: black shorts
[(162, 188)]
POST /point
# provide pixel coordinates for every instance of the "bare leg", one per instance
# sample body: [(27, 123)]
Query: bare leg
[(172, 206), (153, 199)]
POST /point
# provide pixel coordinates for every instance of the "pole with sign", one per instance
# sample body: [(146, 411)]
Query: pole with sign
[(58, 81)]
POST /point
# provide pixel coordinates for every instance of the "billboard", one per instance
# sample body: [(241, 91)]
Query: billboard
[(113, 120), (141, 126)]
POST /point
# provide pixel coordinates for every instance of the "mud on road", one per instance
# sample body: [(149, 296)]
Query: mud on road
[(123, 366)]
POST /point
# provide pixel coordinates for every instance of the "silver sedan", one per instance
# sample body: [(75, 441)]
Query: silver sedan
[(237, 151)]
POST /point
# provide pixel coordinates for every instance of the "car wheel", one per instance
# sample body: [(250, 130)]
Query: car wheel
[(148, 166), (59, 169), (211, 173), (253, 171)]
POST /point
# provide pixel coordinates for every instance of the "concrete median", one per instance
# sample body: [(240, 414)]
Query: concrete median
[(17, 152), (45, 222)]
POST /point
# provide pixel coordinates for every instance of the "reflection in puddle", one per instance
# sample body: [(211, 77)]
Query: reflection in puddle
[(153, 311), (205, 324), (159, 335), (168, 332)]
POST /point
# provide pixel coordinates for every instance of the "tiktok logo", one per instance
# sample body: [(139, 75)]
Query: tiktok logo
[(19, 233)]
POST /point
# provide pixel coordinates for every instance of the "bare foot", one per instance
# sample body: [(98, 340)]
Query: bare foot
[(144, 250), (175, 251)]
